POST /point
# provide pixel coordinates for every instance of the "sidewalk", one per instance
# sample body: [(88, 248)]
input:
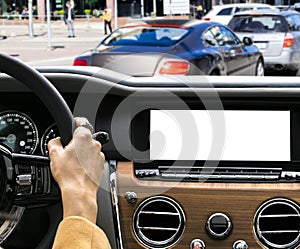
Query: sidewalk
[(57, 49)]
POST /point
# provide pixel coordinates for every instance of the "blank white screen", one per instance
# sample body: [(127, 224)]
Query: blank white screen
[(245, 135)]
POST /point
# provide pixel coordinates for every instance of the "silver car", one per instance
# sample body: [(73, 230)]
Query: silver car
[(276, 34)]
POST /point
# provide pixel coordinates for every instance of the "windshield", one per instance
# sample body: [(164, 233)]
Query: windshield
[(294, 22), (145, 35), (258, 24)]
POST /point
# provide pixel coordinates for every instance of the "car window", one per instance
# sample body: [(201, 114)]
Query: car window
[(144, 35), (220, 36), (242, 9), (209, 38), (258, 24), (293, 22), (225, 12), (263, 8), (217, 34), (229, 38)]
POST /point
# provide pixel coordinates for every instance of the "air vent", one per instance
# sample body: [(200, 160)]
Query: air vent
[(220, 173), (158, 222), (277, 224)]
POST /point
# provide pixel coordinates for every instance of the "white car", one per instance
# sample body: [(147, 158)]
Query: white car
[(223, 13), (276, 34)]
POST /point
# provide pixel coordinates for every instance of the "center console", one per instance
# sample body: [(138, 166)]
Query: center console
[(214, 176), (256, 144)]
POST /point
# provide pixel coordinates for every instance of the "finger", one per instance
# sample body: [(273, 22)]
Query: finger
[(102, 155), (98, 144), (84, 123), (82, 133), (80, 120), (55, 145)]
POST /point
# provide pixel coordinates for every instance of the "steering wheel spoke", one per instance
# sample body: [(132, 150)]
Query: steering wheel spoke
[(34, 183)]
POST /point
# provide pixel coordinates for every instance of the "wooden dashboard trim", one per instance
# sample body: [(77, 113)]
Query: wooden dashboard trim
[(239, 201), (125, 169)]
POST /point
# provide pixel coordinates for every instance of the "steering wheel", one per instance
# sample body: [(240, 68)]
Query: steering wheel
[(44, 191)]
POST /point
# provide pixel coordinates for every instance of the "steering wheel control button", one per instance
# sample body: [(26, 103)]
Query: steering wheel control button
[(197, 244), (101, 136), (32, 180), (218, 226), (24, 180), (240, 244)]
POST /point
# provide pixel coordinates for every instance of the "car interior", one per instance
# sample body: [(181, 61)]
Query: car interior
[(191, 161)]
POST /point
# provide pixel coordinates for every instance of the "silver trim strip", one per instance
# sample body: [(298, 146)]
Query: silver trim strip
[(158, 228), (161, 213), (115, 204)]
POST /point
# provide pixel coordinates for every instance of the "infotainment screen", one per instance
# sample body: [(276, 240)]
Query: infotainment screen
[(244, 135)]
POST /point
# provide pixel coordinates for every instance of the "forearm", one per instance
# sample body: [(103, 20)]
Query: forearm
[(77, 232), (80, 203)]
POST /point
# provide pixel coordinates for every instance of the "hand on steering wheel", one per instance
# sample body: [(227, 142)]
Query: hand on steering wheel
[(78, 168)]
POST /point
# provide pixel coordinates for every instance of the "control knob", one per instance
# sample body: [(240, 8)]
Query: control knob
[(240, 244), (218, 226)]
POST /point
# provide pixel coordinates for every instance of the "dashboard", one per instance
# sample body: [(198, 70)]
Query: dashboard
[(21, 134), (193, 162)]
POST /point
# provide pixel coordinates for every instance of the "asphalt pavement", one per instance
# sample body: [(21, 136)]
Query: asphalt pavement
[(43, 48)]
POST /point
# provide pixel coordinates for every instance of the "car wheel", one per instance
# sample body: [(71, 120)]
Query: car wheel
[(214, 72), (293, 72), (259, 70)]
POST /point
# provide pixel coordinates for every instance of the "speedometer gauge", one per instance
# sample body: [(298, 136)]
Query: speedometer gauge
[(18, 132), (50, 133)]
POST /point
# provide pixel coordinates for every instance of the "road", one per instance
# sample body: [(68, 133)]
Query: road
[(59, 50), (44, 50)]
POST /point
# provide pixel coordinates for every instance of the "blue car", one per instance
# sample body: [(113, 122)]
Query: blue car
[(175, 46)]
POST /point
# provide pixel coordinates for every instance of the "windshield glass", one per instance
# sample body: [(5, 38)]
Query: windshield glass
[(146, 35), (258, 24), (294, 22)]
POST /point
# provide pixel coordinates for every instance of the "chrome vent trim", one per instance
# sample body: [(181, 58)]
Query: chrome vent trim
[(158, 222), (220, 173), (277, 224)]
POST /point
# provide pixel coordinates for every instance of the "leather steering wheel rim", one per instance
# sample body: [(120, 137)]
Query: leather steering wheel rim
[(53, 101), (42, 88)]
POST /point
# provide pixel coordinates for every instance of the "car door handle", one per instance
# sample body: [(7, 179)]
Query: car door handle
[(228, 53)]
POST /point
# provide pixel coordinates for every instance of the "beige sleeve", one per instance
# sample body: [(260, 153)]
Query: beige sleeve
[(76, 232)]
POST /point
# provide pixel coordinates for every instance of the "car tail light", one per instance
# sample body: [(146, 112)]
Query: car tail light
[(206, 18), (80, 62), (289, 40), (175, 67)]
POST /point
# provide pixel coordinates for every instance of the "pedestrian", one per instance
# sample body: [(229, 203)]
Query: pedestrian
[(69, 18), (25, 12), (199, 13), (107, 20)]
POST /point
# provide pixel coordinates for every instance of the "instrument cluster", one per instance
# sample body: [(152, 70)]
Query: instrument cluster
[(20, 133)]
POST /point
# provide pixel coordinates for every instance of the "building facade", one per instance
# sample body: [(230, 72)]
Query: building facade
[(119, 8)]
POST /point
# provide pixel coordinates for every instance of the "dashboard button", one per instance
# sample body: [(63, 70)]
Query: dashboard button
[(218, 226), (240, 244), (288, 176), (197, 244)]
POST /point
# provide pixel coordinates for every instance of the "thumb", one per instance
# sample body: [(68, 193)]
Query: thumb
[(55, 146)]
